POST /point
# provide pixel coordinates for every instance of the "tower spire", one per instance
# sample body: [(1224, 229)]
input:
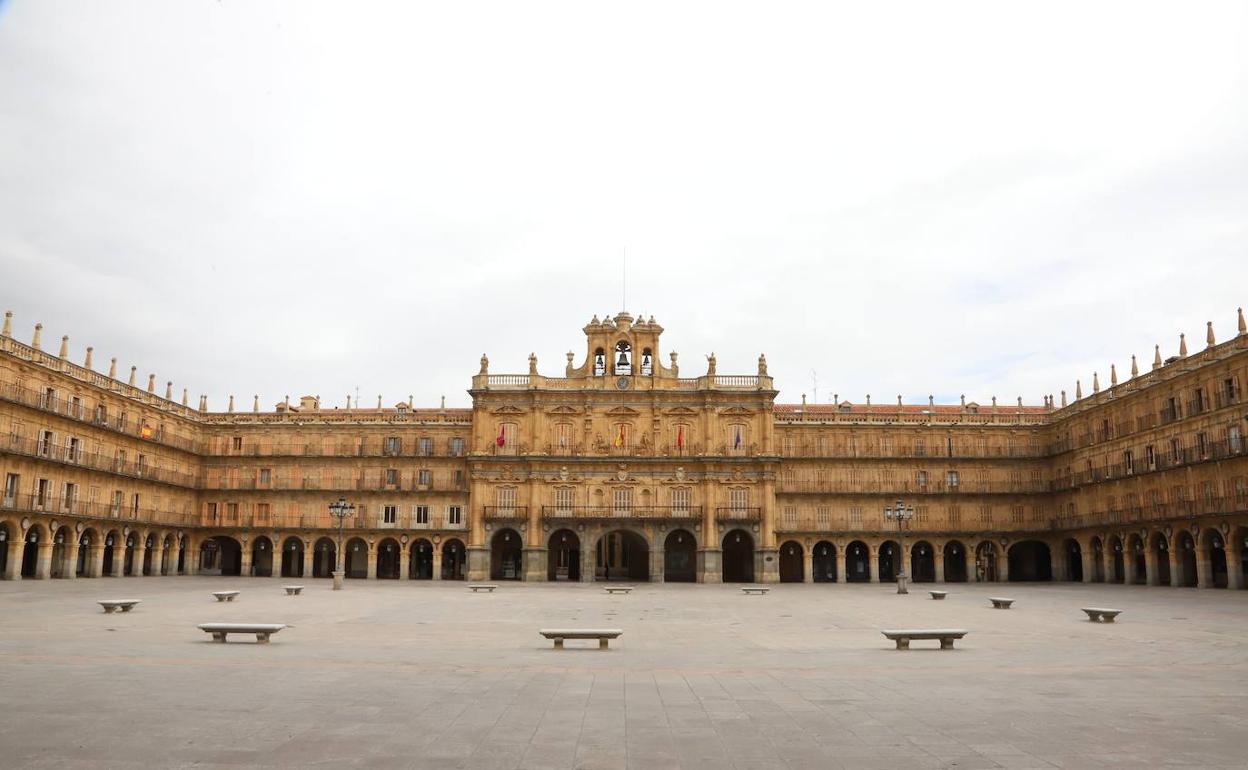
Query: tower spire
[(1135, 368), (1209, 334), (1156, 356), (1182, 345)]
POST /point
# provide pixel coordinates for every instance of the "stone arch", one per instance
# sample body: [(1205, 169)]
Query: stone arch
[(738, 557), (1030, 561), (506, 555), (857, 562), (923, 562), (823, 562), (1184, 559), (62, 546), (219, 555), (454, 558), (421, 554), (324, 558), (986, 558), (792, 562), (680, 557), (563, 556), (88, 541), (151, 543), (1137, 567), (1074, 560), (1239, 543), (622, 554), (114, 552), (355, 558), (389, 554), (33, 538), (1213, 551), (954, 554), (1098, 559), (888, 558), (169, 552), (7, 535), (262, 557), (1117, 563), (1159, 546), (292, 557)]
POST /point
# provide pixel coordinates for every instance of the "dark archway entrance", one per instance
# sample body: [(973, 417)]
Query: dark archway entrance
[(1161, 557), (292, 557), (563, 556), (1117, 565), (506, 548), (1186, 558), (111, 547), (388, 555), (262, 557), (680, 557), (85, 544), (1214, 552), (149, 547), (955, 562), (823, 562), (1139, 570), (30, 552), (792, 570), (6, 537), (453, 555), (421, 567), (220, 555), (355, 552), (1074, 561), (890, 557), (738, 556), (986, 562), (622, 555), (857, 563), (324, 558), (923, 562), (1098, 560), (1030, 561)]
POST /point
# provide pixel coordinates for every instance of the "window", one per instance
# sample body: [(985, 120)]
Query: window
[(423, 477), (680, 500), (70, 496), (921, 513), (1202, 447), (75, 407), (1128, 462), (920, 449), (739, 499), (1016, 514), (951, 479), (392, 477), (563, 437), (505, 498), (389, 514), (231, 511), (955, 515), (1241, 490), (73, 450), (45, 443), (421, 514), (564, 497), (262, 511), (119, 500), (457, 446), (985, 514), (101, 414), (47, 399), (142, 464), (922, 480), (424, 446), (11, 484), (134, 505), (1234, 439), (454, 515), (393, 445), (621, 501), (459, 478), (855, 515), (237, 444), (266, 475), (1150, 457)]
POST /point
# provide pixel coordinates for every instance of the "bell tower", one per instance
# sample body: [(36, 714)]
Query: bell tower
[(621, 347)]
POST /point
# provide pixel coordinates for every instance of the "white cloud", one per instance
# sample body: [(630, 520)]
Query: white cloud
[(290, 198)]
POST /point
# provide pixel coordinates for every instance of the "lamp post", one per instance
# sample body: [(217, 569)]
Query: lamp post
[(340, 510), (900, 513)]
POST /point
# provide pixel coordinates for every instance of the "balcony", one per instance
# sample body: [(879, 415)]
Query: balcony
[(599, 512), (737, 513), (43, 450), (81, 509), (506, 512), (1154, 512)]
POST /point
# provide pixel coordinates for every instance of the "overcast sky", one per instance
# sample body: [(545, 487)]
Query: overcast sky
[(929, 198)]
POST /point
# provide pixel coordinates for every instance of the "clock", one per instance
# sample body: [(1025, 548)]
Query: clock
[(622, 383)]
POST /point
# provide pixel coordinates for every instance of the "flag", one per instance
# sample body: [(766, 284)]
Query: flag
[(502, 436), (146, 432), (736, 444), (680, 437), (619, 440)]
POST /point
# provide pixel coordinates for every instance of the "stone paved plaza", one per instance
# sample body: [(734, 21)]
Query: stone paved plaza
[(430, 675)]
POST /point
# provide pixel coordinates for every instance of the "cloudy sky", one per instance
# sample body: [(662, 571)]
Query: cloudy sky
[(310, 197)]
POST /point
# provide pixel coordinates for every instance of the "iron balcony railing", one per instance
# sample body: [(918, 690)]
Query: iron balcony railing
[(69, 455), (1161, 511), (324, 521), (737, 513), (909, 487), (61, 506), (90, 415), (683, 512), (506, 512)]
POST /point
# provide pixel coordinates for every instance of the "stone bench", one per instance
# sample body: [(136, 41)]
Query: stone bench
[(482, 587), (618, 589), (938, 594), (945, 635), (262, 630), (293, 590), (1098, 614), (125, 605), (225, 596), (760, 590), (601, 634), (1000, 603)]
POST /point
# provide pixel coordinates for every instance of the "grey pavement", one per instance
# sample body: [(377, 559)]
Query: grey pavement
[(420, 674)]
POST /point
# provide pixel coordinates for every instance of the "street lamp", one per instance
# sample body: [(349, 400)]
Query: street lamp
[(900, 513), (340, 510)]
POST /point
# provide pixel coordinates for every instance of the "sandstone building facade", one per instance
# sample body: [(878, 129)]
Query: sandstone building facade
[(623, 469)]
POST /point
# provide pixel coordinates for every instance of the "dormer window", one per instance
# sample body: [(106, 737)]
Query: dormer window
[(623, 364)]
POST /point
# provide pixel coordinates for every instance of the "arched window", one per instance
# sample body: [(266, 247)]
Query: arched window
[(647, 362), (623, 360), (600, 362)]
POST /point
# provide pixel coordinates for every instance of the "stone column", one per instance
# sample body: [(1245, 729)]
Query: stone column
[(588, 562), (190, 558), (372, 562), (1176, 567), (1089, 564), (43, 565), (712, 565), (95, 561), (658, 563), (478, 563), (158, 559), (533, 564), (1060, 562), (1150, 567), (309, 560), (13, 562), (119, 556), (873, 563), (808, 565), (245, 560), (1003, 566), (1234, 567), (939, 561), (69, 569), (437, 561), (1204, 568), (405, 560), (769, 561)]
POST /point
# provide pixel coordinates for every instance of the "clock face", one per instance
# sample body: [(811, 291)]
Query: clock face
[(622, 383)]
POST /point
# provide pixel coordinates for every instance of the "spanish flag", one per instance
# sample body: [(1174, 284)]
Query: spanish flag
[(619, 440), (502, 436)]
